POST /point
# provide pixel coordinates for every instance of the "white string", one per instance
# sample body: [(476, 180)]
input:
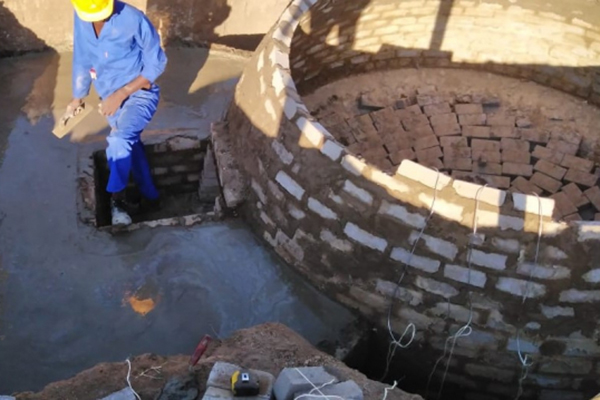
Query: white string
[(315, 388), (129, 382), (385, 394), (395, 343)]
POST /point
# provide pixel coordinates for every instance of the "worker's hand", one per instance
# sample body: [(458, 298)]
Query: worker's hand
[(75, 107), (112, 103)]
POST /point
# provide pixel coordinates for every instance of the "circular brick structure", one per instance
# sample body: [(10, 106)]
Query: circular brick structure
[(497, 261)]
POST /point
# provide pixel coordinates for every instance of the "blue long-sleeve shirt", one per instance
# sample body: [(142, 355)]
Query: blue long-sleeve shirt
[(128, 46)]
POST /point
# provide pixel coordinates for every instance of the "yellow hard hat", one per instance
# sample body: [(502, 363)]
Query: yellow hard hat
[(93, 10)]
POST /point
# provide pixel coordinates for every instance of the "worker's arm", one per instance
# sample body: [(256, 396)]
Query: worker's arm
[(81, 79), (154, 60)]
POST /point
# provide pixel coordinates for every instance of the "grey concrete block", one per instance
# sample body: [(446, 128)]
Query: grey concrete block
[(125, 394), (220, 378), (290, 381), (213, 393), (348, 390)]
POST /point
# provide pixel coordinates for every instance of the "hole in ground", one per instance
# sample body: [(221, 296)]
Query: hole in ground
[(177, 166)]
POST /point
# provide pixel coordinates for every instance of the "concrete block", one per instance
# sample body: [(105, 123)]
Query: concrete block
[(423, 263), (401, 214), (518, 287), (487, 195), (284, 155), (290, 185), (580, 296), (290, 381), (289, 105), (319, 208), (432, 286), (280, 58), (357, 192), (313, 133), (435, 245), (554, 312), (423, 175), (489, 260), (348, 390), (531, 204), (447, 210), (335, 242), (213, 393), (332, 150), (490, 219), (353, 165), (544, 272), (365, 238), (462, 274)]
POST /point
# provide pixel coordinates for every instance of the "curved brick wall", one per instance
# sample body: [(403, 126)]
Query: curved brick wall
[(348, 227)]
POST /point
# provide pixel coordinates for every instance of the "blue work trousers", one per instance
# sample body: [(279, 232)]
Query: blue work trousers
[(125, 151)]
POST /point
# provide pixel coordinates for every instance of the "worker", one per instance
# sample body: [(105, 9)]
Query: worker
[(117, 48)]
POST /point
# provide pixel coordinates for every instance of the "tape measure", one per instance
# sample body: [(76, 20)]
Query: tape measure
[(244, 384)]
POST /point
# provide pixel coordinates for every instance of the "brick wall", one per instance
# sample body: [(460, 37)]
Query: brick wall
[(349, 228)]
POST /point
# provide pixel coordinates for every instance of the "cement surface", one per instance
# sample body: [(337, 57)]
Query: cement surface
[(71, 296)]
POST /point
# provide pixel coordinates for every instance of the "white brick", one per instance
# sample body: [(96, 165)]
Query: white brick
[(274, 189), (295, 212), (435, 287), (555, 253), (335, 242), (453, 311), (423, 175), (507, 245), (461, 274), (312, 132), (423, 263), (364, 237), (490, 219), (296, 168), (280, 58), (266, 220), (534, 326), (580, 296), (335, 198), (284, 155), (524, 345), (319, 208), (543, 272), (286, 40), (358, 193), (281, 81), (289, 105), (449, 211), (487, 195), (353, 164), (588, 231), (552, 229), (388, 289), (531, 204), (401, 214), (489, 260), (270, 239), (420, 320), (259, 191), (290, 185), (390, 183), (518, 287), (435, 245), (592, 276), (332, 150), (553, 312)]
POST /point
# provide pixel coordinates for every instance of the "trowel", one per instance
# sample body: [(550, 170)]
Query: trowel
[(65, 125)]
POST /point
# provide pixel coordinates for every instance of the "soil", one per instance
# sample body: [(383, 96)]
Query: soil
[(268, 347)]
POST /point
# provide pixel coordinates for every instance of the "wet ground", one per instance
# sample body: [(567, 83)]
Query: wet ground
[(71, 296)]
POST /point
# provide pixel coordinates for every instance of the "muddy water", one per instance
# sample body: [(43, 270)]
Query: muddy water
[(70, 296)]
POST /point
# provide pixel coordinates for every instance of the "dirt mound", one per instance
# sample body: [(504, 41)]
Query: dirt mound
[(268, 347)]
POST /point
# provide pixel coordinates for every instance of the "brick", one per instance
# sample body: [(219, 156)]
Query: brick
[(435, 245), (524, 122), (481, 145), (472, 119), (456, 312), (461, 274), (353, 165), (508, 144), (563, 146), (320, 209), (532, 204), (545, 182), (447, 210), (501, 182), (550, 169), (572, 217), (566, 366), (435, 109), (580, 177), (515, 169), (357, 192), (384, 117), (518, 287), (428, 154), (487, 156), (362, 128), (401, 214), (488, 372), (476, 131), (259, 191), (507, 245), (554, 312), (365, 238), (488, 260), (593, 195), (290, 381), (462, 164), (518, 157), (552, 272), (284, 155), (347, 390), (504, 132), (332, 150), (559, 133), (389, 289), (487, 168), (457, 152), (414, 121), (523, 345), (468, 109), (290, 185), (408, 113), (525, 186), (579, 296), (420, 131), (295, 212), (562, 205), (500, 120), (487, 195), (544, 153), (401, 155), (423, 263), (578, 163), (534, 135), (423, 175), (592, 276), (435, 287), (446, 129), (426, 142)]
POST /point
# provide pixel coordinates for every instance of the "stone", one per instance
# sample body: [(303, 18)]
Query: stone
[(464, 275), (579, 296), (514, 169), (523, 345), (295, 380), (347, 390), (543, 272), (220, 378), (554, 312), (180, 388), (435, 245), (488, 260), (290, 185), (550, 169), (423, 263), (580, 177), (365, 238), (545, 182), (439, 288), (456, 312), (488, 372), (520, 287)]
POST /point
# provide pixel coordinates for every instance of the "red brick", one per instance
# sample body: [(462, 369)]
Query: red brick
[(414, 121), (487, 168), (576, 195), (468, 109), (562, 205), (457, 152), (453, 141), (572, 217), (580, 177), (434, 152), (515, 169), (463, 164), (480, 144), (545, 182), (500, 120), (487, 156), (426, 142), (519, 157), (577, 163), (472, 119), (593, 194), (534, 135), (401, 155), (544, 153), (503, 132), (563, 147), (550, 169), (525, 186), (435, 109), (508, 144), (476, 131)]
